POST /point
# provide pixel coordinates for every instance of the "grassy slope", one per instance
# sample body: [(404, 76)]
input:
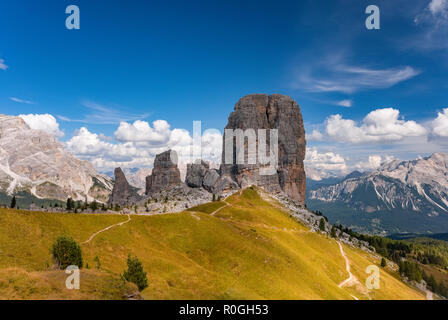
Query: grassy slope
[(248, 250)]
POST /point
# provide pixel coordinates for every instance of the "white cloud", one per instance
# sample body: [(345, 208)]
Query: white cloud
[(21, 100), (315, 135), (440, 124), (44, 122), (381, 125), (141, 131), (3, 66), (326, 161), (373, 162), (345, 103), (438, 6), (336, 76), (100, 114), (139, 143)]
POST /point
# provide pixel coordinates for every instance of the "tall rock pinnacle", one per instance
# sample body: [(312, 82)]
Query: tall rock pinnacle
[(260, 111), (165, 174), (122, 193)]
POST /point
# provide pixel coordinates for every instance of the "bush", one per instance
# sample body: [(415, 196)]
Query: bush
[(383, 262), (135, 273), (66, 252)]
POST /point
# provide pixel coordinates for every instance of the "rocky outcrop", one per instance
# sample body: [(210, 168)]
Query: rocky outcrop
[(123, 193), (210, 181), (165, 173), (260, 111), (196, 173)]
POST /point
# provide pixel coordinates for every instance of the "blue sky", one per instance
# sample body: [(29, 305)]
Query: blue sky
[(181, 61)]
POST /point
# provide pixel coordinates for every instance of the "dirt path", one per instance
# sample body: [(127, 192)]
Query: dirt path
[(107, 228), (216, 211), (351, 280)]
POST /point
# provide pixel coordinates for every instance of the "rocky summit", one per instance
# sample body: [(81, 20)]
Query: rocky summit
[(165, 173), (123, 193), (261, 111), (34, 162)]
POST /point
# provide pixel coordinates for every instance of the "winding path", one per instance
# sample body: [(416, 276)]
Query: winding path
[(107, 228), (351, 280)]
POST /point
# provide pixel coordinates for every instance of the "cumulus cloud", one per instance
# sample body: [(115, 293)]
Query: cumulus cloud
[(315, 135), (381, 125), (373, 162), (45, 122), (328, 162), (3, 66), (141, 131), (440, 124), (138, 143)]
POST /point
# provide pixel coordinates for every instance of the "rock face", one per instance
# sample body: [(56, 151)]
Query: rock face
[(123, 194), (165, 173), (196, 173), (260, 111), (36, 162)]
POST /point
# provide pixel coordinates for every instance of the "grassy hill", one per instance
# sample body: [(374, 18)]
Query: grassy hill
[(247, 247)]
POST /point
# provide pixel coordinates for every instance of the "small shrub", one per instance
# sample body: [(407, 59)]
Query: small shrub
[(66, 252), (97, 262)]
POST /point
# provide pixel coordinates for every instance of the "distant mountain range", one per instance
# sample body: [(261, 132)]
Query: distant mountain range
[(35, 166), (400, 196)]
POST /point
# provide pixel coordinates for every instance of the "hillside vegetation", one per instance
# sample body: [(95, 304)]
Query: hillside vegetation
[(246, 247)]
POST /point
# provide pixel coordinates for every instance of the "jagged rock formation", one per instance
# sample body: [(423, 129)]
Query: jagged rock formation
[(165, 173), (36, 162), (123, 193), (260, 111), (210, 181), (196, 173)]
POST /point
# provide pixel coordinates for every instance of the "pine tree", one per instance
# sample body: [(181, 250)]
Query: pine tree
[(13, 202), (383, 262), (135, 273), (333, 232), (70, 204), (322, 224)]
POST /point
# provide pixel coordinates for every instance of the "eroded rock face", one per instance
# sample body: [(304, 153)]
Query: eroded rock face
[(260, 111), (165, 173), (210, 181), (196, 173), (123, 193)]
